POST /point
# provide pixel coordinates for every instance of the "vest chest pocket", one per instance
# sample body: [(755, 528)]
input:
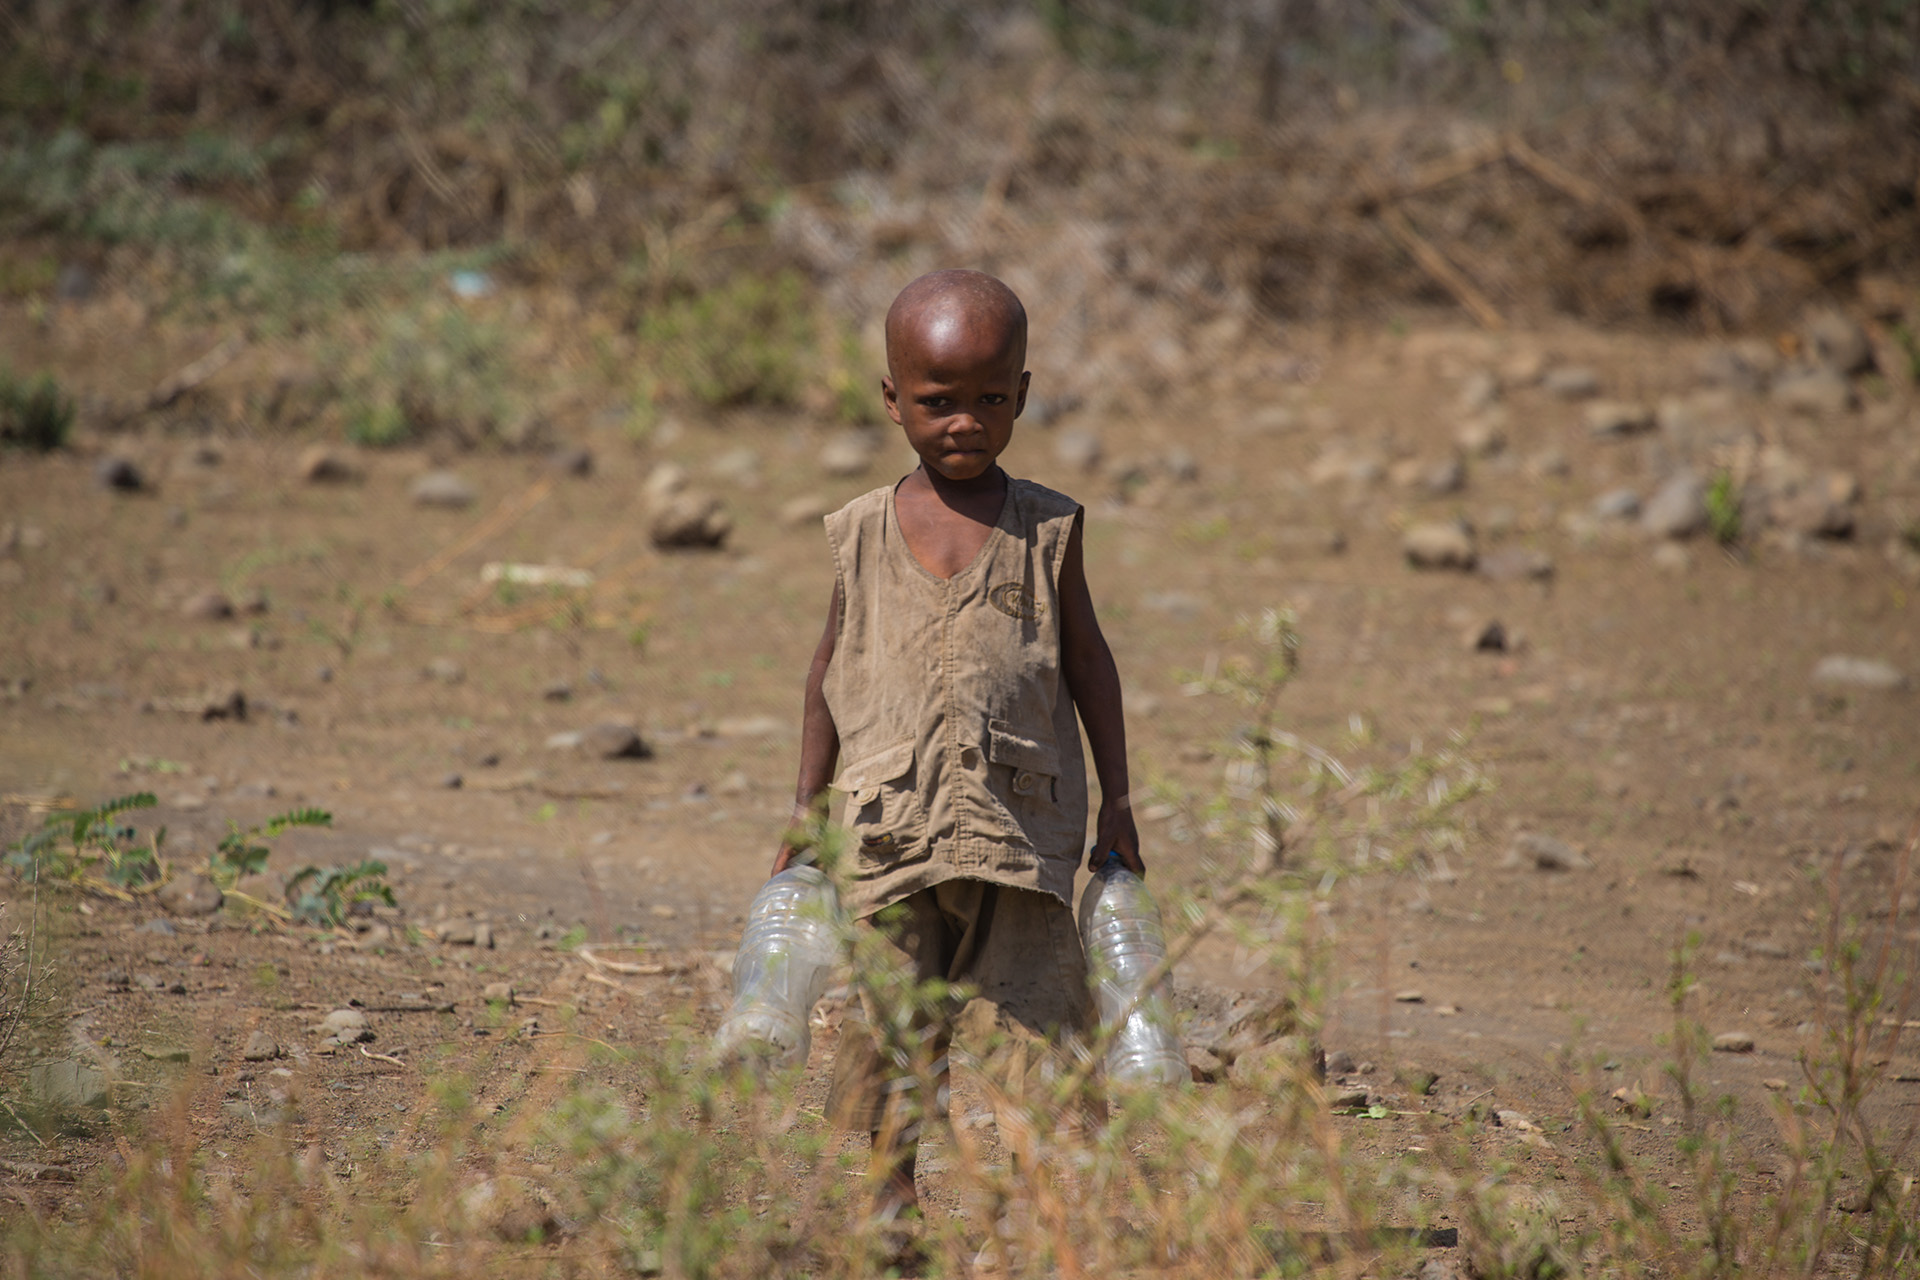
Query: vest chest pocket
[(881, 806)]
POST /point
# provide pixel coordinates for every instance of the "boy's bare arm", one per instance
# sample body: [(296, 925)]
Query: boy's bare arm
[(1094, 682), (819, 736)]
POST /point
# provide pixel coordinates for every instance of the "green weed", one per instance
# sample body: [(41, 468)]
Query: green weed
[(91, 848), (328, 895), (1724, 508), (241, 853), (749, 340), (35, 413)]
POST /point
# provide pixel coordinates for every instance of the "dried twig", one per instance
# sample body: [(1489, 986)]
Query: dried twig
[(621, 966), (193, 375), (380, 1057), (1436, 265)]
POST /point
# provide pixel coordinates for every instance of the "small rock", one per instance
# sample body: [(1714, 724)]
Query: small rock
[(116, 979), (511, 1209), (441, 489), (1438, 479), (689, 519), (736, 783), (1549, 464), (1571, 382), (1813, 513), (1491, 638), (1204, 1066), (457, 933), (1515, 564), (67, 1084), (445, 670), (1837, 343), (1744, 366), (207, 606), (1263, 1065), (1438, 545), (1077, 448), (1671, 557), (1420, 1080), (557, 691), (1515, 1120), (1678, 509), (147, 982), (737, 468), (1816, 393), (1545, 853), (1616, 504), (483, 936), (1409, 997), (610, 740), (321, 465), (118, 473), (1611, 419), (452, 781), (1861, 673), (1352, 1098), (190, 894), (261, 1047), (160, 925), (665, 480), (571, 460), (850, 453), (345, 1026), (1180, 465), (1479, 391), (74, 283), (1733, 1042), (1340, 1063), (1482, 437), (501, 992)]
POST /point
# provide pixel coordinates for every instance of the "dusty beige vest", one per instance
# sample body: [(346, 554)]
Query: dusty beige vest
[(960, 747)]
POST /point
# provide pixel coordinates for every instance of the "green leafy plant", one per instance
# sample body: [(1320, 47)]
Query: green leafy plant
[(91, 848), (746, 341), (240, 853), (327, 895), (1723, 509), (34, 412)]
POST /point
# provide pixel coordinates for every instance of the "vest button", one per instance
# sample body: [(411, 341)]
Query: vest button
[(969, 757), (1023, 782)]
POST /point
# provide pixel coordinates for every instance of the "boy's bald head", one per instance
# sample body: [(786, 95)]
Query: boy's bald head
[(955, 311)]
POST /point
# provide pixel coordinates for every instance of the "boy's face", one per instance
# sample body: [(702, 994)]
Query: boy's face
[(955, 387)]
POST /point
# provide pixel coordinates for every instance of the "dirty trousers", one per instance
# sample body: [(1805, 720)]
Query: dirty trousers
[(1017, 949)]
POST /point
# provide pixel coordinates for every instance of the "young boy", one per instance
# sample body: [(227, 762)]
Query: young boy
[(959, 643)]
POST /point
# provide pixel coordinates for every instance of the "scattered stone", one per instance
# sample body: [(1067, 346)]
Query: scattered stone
[(483, 936), (737, 468), (1773, 1083), (1420, 1080), (806, 509), (1479, 391), (452, 781), (1515, 564), (67, 1084), (513, 1210), (1744, 366), (321, 465), (119, 474), (1518, 1121), (160, 925), (1204, 1066), (1814, 392), (1482, 437), (441, 489), (1409, 997), (1438, 545), (689, 519), (116, 980), (1340, 1063), (1671, 557), (736, 783), (557, 691), (501, 992), (1861, 673), (445, 670), (1616, 504), (571, 460), (1837, 343), (665, 480), (1549, 464), (1438, 479), (1612, 419), (207, 606), (74, 283), (260, 1047), (1678, 509), (1814, 512), (147, 982), (1263, 1065), (1491, 638), (1733, 1042), (609, 741), (850, 453), (1337, 465), (1571, 382), (1352, 1098), (1077, 448), (457, 933), (190, 894), (344, 1026), (1180, 465), (1544, 853), (1769, 948)]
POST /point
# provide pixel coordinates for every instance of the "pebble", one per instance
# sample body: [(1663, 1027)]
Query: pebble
[(1616, 504), (1491, 638), (1860, 673), (1671, 557), (1180, 465), (1482, 437), (571, 460), (67, 1084), (1438, 545), (321, 465), (190, 894), (345, 1026), (1544, 853), (441, 489), (498, 991), (557, 691), (1837, 343), (737, 468), (1733, 1042), (1340, 1063), (1612, 419), (1077, 448), (1438, 479), (1409, 997), (1678, 509), (1479, 391), (452, 781), (1814, 513), (118, 473), (850, 453), (609, 740), (512, 1209), (1515, 564), (689, 519), (260, 1047), (1813, 392), (160, 925), (207, 606), (1418, 1079), (1204, 1066), (1571, 382), (1353, 1098), (1744, 366), (445, 670)]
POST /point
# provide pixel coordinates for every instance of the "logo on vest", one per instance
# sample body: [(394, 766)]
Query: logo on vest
[(1015, 599)]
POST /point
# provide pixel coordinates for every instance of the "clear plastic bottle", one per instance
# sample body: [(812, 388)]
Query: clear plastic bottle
[(1120, 929), (787, 954)]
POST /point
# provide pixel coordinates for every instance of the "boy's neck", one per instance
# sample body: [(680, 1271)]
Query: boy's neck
[(963, 495)]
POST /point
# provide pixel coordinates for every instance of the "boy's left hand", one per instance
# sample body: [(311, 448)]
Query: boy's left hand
[(1115, 830)]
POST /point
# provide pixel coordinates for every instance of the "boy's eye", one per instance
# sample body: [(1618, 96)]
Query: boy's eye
[(935, 402), (993, 398)]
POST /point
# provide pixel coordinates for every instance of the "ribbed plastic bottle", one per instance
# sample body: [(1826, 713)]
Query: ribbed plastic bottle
[(1120, 930), (786, 955)]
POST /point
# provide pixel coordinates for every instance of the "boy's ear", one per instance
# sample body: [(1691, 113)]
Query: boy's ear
[(1020, 401), (890, 396)]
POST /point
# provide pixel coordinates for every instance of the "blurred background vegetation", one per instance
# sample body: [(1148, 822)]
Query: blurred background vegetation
[(741, 185)]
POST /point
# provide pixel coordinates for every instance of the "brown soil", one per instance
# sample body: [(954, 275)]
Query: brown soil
[(1662, 721)]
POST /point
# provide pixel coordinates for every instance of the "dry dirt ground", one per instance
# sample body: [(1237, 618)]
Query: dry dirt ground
[(1655, 707)]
